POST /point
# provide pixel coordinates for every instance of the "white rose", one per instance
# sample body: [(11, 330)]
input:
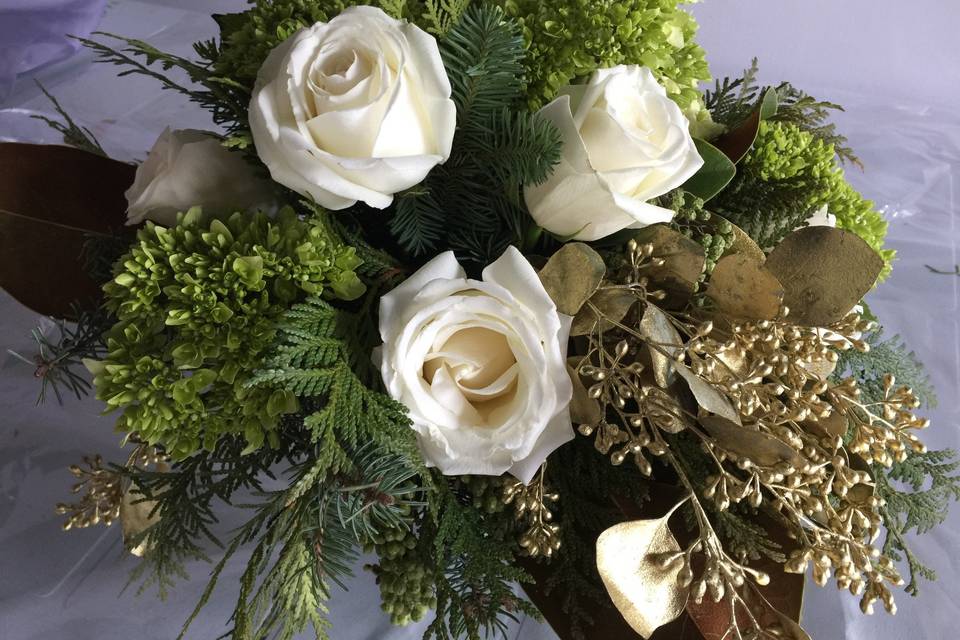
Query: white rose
[(624, 143), (357, 108), (188, 168), (821, 218), (479, 365)]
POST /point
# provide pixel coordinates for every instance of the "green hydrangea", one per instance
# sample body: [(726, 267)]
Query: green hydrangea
[(569, 39), (787, 175), (196, 307)]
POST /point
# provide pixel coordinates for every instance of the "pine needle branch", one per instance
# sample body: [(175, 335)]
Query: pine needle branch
[(73, 134)]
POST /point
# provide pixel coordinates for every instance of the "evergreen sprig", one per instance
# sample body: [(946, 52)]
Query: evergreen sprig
[(306, 538), (733, 99), (472, 202), (475, 571), (225, 98), (187, 495), (316, 358), (917, 493), (58, 360), (74, 135)]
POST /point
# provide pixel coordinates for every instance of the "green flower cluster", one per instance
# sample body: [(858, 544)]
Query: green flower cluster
[(196, 306), (569, 39), (406, 584), (790, 173)]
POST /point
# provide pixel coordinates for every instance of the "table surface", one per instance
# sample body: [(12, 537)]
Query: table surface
[(57, 585)]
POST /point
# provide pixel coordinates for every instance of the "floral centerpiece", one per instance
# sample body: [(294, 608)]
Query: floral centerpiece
[(505, 298)]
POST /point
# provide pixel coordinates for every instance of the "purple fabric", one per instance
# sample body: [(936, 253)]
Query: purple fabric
[(35, 32)]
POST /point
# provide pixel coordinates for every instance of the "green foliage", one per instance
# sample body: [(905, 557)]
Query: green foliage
[(812, 115), (187, 496), (792, 169), (475, 567), (886, 356), (439, 16), (472, 202), (73, 134), (223, 96), (787, 175), (317, 359), (917, 493), (568, 39), (782, 180), (732, 100), (196, 306), (57, 360), (306, 537)]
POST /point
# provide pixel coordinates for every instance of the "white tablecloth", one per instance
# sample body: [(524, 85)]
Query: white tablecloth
[(55, 585)]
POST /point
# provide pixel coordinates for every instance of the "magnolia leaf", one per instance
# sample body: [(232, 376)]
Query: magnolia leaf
[(715, 174), (683, 261), (613, 302), (741, 287), (664, 343), (745, 442), (707, 395), (52, 200), (629, 559), (825, 272), (736, 142), (135, 518), (583, 408), (572, 275)]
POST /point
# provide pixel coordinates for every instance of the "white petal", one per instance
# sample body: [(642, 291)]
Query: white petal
[(393, 304), (558, 432)]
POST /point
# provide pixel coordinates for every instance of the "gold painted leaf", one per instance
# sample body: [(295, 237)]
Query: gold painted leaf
[(683, 261), (135, 518), (645, 592), (664, 343), (760, 448), (708, 397), (583, 408), (743, 244), (613, 303), (825, 272), (572, 275), (834, 425), (741, 287)]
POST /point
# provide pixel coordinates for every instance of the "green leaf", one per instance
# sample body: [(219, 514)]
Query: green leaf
[(715, 174), (770, 104)]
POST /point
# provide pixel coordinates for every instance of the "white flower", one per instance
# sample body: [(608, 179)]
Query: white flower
[(357, 108), (479, 365), (188, 168), (624, 143)]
